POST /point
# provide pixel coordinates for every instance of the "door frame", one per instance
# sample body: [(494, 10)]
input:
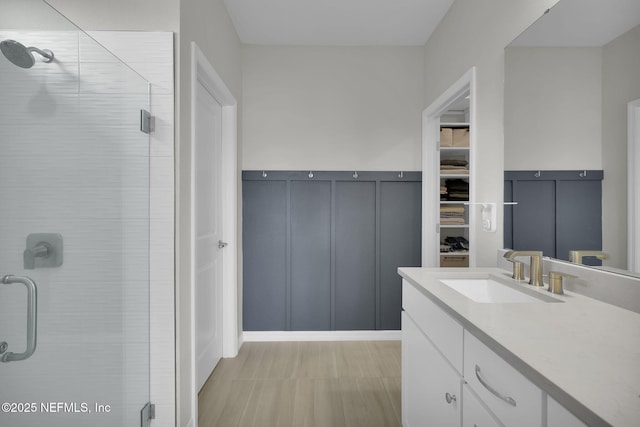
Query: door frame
[(633, 186), (203, 72), (431, 166)]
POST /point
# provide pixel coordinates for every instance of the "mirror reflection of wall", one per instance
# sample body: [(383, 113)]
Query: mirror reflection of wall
[(568, 80)]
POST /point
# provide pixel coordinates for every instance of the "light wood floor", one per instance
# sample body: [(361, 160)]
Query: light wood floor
[(305, 384)]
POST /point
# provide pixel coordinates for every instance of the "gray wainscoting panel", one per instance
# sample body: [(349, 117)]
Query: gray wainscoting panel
[(579, 218), (534, 220), (557, 211), (264, 231), (355, 295), (400, 244), (310, 255), (508, 214), (322, 248)]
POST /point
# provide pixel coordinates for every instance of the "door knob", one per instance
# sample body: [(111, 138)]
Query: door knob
[(221, 244)]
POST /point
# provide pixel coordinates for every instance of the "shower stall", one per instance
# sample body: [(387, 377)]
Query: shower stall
[(74, 226)]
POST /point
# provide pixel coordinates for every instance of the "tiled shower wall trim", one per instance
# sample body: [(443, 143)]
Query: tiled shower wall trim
[(151, 55)]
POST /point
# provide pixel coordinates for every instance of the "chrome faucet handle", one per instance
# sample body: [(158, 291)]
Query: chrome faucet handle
[(556, 281)]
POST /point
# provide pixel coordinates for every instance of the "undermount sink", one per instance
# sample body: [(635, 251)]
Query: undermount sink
[(487, 290)]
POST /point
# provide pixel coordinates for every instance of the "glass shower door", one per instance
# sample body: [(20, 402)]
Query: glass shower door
[(74, 227)]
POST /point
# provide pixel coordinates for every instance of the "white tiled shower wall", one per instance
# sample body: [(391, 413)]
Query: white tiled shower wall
[(71, 164), (151, 55)]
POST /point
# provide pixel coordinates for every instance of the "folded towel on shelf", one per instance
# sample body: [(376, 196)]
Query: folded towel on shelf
[(454, 166), (457, 189), (454, 162), (451, 221), (457, 244), (452, 209), (452, 215)]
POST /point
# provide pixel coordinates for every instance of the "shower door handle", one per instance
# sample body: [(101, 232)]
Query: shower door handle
[(32, 321)]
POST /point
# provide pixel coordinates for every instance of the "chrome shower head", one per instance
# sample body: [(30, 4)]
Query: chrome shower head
[(21, 55)]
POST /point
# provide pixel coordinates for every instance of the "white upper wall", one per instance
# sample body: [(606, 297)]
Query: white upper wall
[(332, 108), (553, 105), (138, 15)]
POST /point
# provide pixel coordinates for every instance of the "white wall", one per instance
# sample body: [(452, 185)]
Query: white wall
[(139, 15), (475, 33), (332, 108), (207, 23), (553, 105), (620, 85)]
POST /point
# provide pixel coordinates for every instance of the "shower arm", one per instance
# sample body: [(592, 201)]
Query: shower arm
[(47, 55)]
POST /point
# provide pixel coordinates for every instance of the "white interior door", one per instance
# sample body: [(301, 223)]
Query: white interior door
[(208, 221)]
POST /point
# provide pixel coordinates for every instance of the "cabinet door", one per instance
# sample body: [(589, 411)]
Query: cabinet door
[(558, 416), (473, 413), (427, 381)]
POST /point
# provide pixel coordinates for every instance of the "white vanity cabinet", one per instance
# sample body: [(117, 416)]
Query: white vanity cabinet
[(435, 366), (558, 416), (473, 413), (430, 383), (507, 393)]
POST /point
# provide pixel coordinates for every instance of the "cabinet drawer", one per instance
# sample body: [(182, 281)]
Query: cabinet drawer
[(509, 395), (441, 329), (473, 413)]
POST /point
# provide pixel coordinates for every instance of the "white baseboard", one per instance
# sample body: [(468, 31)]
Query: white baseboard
[(265, 336)]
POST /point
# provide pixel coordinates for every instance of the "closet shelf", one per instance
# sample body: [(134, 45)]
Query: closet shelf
[(454, 125)]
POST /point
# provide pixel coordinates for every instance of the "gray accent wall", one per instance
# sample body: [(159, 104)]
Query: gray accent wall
[(310, 255), (557, 211), (265, 258), (322, 252)]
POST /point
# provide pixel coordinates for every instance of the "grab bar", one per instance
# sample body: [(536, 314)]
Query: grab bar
[(32, 321), (493, 391)]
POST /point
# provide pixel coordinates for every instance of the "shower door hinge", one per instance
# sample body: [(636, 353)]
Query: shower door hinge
[(147, 121), (147, 414)]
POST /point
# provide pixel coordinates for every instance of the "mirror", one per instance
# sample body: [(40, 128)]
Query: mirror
[(568, 80)]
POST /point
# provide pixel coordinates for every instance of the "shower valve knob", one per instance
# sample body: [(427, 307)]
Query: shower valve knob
[(3, 347)]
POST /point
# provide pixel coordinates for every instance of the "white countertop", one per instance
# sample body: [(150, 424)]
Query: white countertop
[(583, 352)]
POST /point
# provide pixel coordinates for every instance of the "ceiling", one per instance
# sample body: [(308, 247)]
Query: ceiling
[(336, 22), (582, 23)]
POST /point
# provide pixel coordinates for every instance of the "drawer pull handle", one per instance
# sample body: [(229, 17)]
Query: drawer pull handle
[(450, 397), (493, 391)]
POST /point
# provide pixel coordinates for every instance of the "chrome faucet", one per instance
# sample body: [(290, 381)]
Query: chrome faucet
[(576, 256), (535, 265)]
